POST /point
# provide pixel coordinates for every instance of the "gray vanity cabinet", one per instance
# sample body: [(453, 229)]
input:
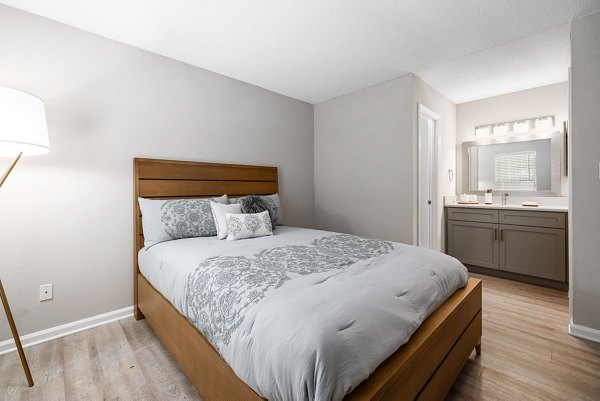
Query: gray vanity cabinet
[(474, 243), (534, 251), (517, 244)]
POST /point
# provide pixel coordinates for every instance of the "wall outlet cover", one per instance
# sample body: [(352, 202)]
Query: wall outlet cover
[(46, 292)]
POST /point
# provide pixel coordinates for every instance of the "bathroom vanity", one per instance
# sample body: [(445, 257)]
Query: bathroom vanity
[(511, 241)]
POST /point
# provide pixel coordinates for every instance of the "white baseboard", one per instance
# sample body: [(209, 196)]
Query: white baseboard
[(66, 329), (584, 332)]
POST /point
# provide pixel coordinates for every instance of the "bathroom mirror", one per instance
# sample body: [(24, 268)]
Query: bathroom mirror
[(521, 165)]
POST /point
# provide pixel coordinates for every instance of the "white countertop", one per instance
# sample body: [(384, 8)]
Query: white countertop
[(512, 207)]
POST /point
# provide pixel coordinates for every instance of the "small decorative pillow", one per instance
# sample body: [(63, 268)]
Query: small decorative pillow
[(256, 204), (165, 220), (240, 226), (218, 211)]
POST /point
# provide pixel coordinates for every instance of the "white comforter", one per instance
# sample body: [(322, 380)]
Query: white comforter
[(304, 314)]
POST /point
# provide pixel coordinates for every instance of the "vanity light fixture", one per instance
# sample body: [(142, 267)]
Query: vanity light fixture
[(482, 132), (521, 126), (500, 129), (530, 125), (544, 123)]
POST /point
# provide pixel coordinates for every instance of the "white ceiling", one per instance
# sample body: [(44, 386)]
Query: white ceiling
[(314, 50), (525, 63)]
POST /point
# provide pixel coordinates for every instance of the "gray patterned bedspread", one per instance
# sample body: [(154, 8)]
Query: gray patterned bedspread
[(307, 314)]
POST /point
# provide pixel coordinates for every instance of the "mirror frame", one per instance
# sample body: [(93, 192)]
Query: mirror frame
[(556, 146)]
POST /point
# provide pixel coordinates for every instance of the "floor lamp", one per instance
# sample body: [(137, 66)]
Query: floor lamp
[(23, 131)]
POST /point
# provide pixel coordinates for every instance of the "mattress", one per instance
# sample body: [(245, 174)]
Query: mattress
[(303, 314)]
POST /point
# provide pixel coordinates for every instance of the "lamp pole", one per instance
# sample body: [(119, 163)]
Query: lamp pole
[(10, 168), (23, 131), (11, 321)]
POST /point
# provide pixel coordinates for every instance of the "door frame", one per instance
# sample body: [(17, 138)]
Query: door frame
[(435, 224)]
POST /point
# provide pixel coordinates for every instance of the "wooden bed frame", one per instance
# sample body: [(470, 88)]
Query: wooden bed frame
[(423, 369)]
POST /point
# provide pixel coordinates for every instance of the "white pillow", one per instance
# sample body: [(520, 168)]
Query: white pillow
[(165, 220), (240, 226), (218, 212)]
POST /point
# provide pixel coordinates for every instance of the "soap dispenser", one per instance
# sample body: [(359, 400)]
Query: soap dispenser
[(488, 197)]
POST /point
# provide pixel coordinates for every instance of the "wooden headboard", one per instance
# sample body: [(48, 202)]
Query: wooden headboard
[(164, 179)]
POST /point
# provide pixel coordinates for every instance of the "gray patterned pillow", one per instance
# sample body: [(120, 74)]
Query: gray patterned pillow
[(259, 203), (165, 220), (240, 226)]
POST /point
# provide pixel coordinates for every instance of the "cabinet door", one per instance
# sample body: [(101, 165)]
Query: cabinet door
[(534, 251), (473, 243)]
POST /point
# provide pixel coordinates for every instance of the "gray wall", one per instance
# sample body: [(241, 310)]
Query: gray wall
[(363, 162), (67, 216), (585, 156), (365, 172)]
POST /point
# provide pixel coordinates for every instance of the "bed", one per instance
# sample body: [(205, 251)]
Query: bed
[(423, 368)]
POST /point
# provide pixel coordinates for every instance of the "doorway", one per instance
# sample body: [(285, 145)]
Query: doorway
[(428, 123)]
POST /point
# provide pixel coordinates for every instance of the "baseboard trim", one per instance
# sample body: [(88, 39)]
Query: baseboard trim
[(52, 333), (584, 332)]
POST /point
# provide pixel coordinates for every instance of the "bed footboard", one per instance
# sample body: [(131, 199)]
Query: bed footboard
[(423, 369)]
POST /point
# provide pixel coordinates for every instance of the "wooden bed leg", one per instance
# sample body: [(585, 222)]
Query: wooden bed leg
[(137, 313), (478, 348)]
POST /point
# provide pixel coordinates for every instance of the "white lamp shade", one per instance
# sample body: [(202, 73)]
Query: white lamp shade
[(22, 123)]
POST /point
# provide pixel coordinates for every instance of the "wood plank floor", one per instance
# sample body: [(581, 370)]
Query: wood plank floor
[(527, 355)]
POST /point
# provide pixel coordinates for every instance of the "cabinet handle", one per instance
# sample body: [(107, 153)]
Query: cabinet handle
[(501, 234), (495, 234)]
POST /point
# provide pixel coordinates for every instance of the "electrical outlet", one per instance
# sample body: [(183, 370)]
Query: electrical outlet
[(45, 292)]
